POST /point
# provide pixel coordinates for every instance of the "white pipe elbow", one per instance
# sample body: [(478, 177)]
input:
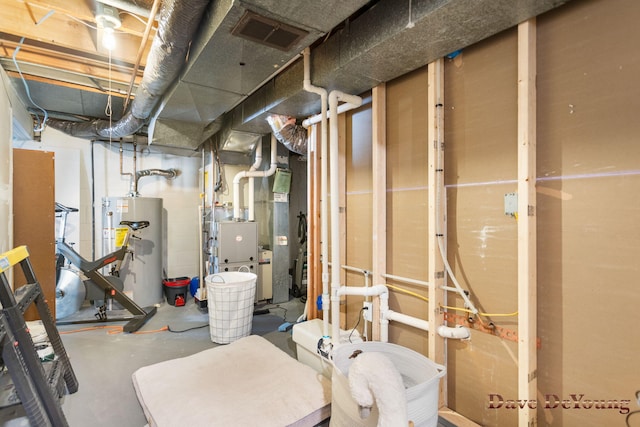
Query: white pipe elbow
[(458, 332), (370, 291)]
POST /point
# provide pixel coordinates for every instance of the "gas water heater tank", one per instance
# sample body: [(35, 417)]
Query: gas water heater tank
[(142, 272)]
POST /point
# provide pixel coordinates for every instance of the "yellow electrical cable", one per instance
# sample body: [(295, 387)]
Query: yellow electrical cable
[(408, 292), (515, 313)]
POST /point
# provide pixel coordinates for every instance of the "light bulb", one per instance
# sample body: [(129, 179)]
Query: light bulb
[(108, 38)]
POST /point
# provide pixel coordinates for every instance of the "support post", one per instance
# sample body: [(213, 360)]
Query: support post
[(379, 164), (527, 274), (342, 203), (437, 215)]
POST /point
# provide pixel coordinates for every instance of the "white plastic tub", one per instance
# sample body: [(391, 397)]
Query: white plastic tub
[(421, 378), (230, 298)]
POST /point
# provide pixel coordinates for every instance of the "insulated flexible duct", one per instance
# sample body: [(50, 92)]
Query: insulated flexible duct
[(167, 173), (291, 135), (177, 24)]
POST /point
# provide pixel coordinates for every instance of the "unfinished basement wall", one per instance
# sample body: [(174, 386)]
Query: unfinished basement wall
[(358, 198), (407, 201), (588, 210), (480, 168), (588, 173)]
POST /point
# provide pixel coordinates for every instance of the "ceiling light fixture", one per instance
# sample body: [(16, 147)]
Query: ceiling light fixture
[(108, 20)]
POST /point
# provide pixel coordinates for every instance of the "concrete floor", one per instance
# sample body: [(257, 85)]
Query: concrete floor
[(103, 361)]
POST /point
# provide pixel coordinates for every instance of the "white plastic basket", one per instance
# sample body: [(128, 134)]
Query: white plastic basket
[(230, 298), (421, 378)]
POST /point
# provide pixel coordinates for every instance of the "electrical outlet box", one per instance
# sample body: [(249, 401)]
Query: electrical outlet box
[(511, 204), (367, 312)]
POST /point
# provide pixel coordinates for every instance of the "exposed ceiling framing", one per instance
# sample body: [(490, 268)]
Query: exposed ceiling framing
[(229, 81)]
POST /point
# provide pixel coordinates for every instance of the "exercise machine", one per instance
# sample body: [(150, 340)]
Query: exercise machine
[(108, 286)]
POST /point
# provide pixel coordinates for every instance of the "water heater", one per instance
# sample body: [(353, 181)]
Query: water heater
[(141, 272)]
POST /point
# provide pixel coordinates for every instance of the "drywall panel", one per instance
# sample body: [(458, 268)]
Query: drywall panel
[(480, 167), (407, 201), (588, 235)]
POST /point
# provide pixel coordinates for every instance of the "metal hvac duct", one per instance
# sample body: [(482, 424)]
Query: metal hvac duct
[(177, 24)]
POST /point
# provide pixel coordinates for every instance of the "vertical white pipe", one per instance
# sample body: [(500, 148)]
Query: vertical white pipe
[(324, 223), (253, 174), (384, 322), (256, 164), (334, 171)]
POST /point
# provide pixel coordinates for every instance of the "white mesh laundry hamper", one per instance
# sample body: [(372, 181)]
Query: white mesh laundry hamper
[(230, 298), (421, 378)]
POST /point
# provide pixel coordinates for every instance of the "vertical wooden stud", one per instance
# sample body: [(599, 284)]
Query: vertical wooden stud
[(379, 220), (527, 275), (437, 214), (342, 203), (314, 269)]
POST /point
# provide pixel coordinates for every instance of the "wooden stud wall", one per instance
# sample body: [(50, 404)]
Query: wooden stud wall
[(570, 270)]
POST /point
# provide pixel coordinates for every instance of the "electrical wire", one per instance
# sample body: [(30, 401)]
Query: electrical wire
[(112, 330), (188, 329), (81, 21), (399, 289), (515, 313), (360, 315), (284, 315), (41, 124), (440, 178), (134, 15)]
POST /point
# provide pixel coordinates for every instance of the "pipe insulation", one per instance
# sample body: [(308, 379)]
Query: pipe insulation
[(177, 25)]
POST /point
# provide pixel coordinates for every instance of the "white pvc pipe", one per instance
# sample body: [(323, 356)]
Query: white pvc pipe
[(406, 280), (256, 164), (253, 174), (459, 333), (407, 320), (334, 170), (371, 291), (387, 315), (324, 223), (318, 117)]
